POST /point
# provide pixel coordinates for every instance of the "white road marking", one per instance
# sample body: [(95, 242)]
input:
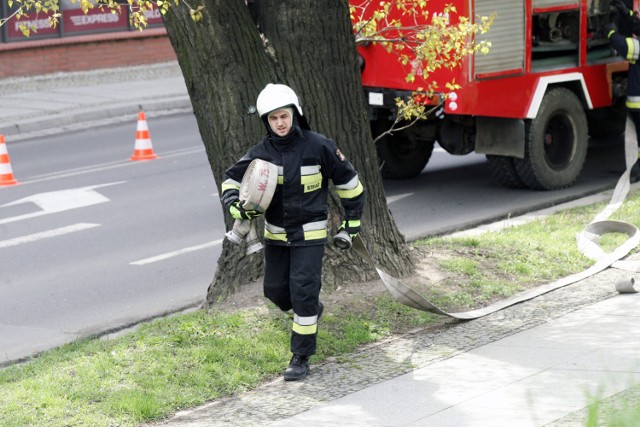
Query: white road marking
[(21, 217), (60, 201), (47, 234), (105, 166), (176, 253), (397, 197)]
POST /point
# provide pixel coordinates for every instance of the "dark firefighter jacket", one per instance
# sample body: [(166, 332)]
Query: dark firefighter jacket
[(306, 160), (629, 48)]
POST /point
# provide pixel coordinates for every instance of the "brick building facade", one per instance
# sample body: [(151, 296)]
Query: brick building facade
[(85, 52)]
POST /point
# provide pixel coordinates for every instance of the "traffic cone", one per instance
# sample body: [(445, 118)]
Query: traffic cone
[(143, 149), (6, 174)]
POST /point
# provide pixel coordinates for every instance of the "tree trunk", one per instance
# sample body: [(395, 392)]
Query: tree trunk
[(307, 44)]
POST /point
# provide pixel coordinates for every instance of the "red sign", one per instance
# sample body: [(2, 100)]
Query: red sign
[(37, 23), (76, 21)]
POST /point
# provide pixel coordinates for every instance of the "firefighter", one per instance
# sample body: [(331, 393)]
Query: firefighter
[(629, 48), (296, 220)]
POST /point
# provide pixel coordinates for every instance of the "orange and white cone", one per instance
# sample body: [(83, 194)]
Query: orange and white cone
[(6, 173), (143, 149)]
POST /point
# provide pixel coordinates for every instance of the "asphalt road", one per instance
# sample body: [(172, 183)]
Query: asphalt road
[(91, 241), (457, 192)]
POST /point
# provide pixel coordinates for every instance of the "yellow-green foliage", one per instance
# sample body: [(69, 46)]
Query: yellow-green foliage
[(137, 9)]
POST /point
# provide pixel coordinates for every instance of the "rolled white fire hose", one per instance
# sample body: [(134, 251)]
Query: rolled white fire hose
[(587, 244), (256, 191)]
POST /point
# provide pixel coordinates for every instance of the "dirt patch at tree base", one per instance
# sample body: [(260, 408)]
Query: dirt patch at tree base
[(428, 279), (447, 289)]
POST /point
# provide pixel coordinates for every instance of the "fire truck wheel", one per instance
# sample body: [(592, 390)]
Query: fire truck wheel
[(504, 171), (556, 142), (402, 155)]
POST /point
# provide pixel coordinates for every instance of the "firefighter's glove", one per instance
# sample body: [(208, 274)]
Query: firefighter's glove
[(238, 212), (351, 226)]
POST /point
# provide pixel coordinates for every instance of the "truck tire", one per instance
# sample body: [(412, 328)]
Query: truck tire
[(402, 155), (556, 143), (504, 171)]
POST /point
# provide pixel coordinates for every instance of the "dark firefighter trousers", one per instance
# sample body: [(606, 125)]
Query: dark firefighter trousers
[(292, 280), (635, 117)]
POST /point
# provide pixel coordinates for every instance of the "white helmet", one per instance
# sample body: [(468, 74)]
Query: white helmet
[(275, 96)]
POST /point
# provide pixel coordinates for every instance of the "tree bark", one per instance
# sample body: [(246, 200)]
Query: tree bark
[(307, 44)]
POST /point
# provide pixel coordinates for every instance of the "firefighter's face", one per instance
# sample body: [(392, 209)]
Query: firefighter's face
[(280, 122)]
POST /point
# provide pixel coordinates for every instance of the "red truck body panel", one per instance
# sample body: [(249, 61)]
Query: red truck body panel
[(508, 92)]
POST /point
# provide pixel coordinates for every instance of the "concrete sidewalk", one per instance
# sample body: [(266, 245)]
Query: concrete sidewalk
[(535, 377), (55, 103), (538, 363)]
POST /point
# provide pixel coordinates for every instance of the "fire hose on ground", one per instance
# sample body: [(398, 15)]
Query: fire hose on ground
[(587, 242)]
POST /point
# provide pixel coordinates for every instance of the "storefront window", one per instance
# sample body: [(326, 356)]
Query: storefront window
[(72, 22), (75, 21), (37, 24)]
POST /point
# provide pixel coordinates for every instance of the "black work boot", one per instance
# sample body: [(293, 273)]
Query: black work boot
[(298, 368), (320, 309)]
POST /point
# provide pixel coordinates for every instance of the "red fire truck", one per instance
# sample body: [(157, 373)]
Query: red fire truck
[(549, 81)]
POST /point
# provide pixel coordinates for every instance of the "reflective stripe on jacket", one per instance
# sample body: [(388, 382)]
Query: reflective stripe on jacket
[(629, 48)]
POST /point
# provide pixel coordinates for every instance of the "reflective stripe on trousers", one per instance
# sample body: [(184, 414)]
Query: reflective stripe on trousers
[(633, 102), (292, 279), (312, 231)]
